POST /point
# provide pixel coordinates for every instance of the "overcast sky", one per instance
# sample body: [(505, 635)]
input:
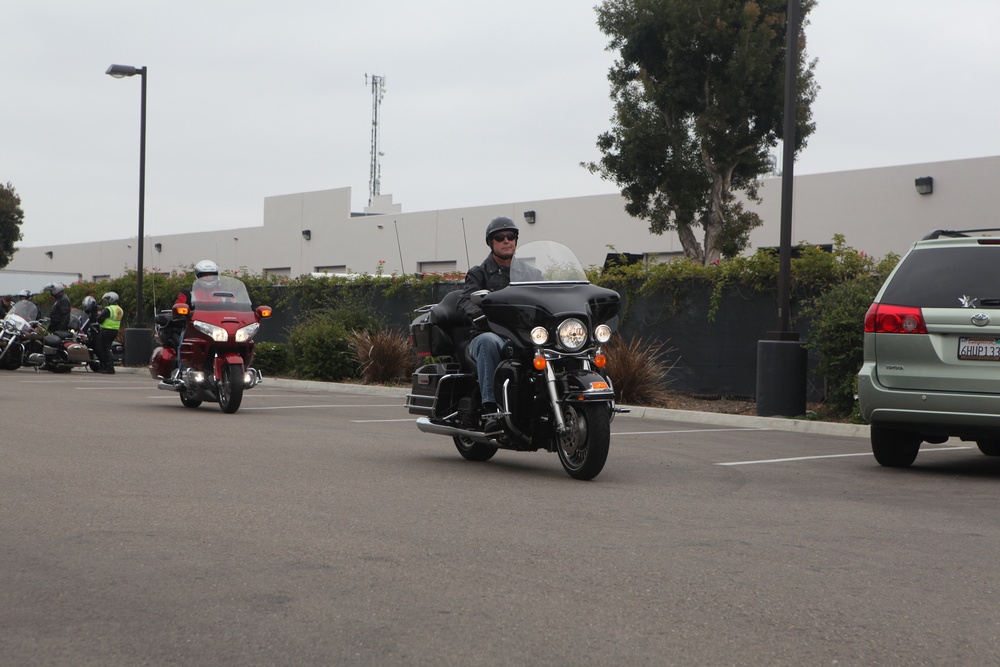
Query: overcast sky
[(484, 103)]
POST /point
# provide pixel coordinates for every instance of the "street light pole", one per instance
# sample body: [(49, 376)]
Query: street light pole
[(138, 338)]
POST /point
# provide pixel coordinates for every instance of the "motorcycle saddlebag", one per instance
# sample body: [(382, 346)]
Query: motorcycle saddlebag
[(428, 339), (77, 353)]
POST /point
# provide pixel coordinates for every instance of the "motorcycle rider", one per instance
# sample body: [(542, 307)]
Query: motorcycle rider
[(109, 318), (59, 315), (493, 274), (205, 271)]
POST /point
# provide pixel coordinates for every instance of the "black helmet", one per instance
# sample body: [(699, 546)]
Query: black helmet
[(501, 224)]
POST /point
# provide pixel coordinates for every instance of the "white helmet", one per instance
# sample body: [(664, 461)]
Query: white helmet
[(110, 297), (89, 302), (25, 294), (55, 288), (205, 267)]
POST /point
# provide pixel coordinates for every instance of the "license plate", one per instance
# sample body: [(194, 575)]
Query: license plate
[(979, 349)]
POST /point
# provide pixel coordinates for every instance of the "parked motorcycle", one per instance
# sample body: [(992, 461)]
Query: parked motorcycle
[(217, 348), (551, 386), (62, 351), (17, 332)]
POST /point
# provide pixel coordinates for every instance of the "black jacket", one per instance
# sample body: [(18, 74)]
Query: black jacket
[(59, 315), (488, 275)]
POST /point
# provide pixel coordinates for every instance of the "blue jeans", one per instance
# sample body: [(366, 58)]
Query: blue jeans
[(486, 349)]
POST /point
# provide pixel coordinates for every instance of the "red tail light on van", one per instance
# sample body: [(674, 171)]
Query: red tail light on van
[(886, 318)]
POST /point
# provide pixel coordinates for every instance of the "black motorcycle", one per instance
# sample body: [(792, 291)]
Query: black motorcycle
[(551, 386)]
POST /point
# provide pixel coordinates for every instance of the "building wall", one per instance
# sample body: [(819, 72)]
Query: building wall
[(877, 210)]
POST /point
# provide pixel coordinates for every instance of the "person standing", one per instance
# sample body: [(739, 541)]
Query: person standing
[(110, 321), (59, 314)]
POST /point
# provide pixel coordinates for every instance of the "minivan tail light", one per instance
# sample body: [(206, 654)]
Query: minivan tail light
[(886, 318)]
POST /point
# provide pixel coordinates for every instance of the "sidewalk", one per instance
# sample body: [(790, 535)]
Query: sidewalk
[(689, 416)]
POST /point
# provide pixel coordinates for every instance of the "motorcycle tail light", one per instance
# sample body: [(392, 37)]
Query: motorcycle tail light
[(600, 360), (539, 362)]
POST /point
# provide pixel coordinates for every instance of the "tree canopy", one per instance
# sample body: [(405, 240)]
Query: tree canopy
[(699, 96), (11, 217)]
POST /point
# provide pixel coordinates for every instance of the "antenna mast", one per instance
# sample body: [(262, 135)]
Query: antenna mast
[(375, 170)]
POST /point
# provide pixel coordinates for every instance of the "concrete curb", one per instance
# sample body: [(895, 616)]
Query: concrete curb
[(665, 414)]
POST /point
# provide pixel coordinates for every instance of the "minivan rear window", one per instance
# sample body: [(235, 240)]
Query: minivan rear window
[(947, 278)]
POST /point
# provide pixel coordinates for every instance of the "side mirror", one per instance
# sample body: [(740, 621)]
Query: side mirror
[(263, 312), (478, 296)]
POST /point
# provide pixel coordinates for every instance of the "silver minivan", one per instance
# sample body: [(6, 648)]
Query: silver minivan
[(932, 348)]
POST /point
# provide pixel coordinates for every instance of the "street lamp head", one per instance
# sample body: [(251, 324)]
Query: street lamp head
[(121, 71)]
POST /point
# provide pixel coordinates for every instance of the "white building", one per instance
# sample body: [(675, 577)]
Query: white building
[(878, 211)]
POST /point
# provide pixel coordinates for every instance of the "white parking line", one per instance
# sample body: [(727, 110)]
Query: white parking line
[(348, 405), (688, 430), (827, 456)]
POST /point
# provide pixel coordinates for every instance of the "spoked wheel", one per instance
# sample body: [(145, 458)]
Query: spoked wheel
[(231, 389), (583, 449), (472, 450)]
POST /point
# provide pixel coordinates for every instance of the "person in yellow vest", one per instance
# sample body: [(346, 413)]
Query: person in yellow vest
[(110, 321)]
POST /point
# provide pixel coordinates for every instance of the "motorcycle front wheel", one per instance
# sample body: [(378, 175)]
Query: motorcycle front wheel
[(231, 389), (583, 449), (472, 450)]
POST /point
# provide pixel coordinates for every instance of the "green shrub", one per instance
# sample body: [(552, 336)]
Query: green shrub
[(320, 348), (838, 334), (272, 359)]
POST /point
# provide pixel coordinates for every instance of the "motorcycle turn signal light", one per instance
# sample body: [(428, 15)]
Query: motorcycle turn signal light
[(539, 362), (600, 360)]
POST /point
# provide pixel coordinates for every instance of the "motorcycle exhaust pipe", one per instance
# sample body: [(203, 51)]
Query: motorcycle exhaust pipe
[(427, 426)]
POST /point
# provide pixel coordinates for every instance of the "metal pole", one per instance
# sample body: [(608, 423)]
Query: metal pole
[(140, 317), (788, 165)]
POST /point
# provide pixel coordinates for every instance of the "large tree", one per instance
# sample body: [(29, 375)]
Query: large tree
[(11, 217), (699, 95)]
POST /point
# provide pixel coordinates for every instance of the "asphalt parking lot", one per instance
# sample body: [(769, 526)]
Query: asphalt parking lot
[(318, 526)]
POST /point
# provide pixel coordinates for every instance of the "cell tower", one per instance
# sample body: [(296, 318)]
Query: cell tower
[(375, 170)]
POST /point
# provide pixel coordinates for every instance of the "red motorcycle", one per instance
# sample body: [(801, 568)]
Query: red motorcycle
[(214, 334)]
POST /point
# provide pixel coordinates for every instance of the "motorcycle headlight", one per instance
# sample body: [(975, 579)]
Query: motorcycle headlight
[(602, 333), (247, 332), (218, 334), (572, 334), (539, 336)]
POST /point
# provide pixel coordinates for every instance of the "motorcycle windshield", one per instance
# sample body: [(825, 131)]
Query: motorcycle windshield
[(546, 262), (25, 309), (223, 293)]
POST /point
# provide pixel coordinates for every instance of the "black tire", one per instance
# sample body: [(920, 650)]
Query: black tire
[(583, 450), (95, 366), (54, 368), (472, 450), (12, 360), (188, 402), (989, 447), (231, 389), (893, 448)]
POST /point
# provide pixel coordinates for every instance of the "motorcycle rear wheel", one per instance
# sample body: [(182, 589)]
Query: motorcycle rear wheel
[(472, 450), (583, 450), (230, 390)]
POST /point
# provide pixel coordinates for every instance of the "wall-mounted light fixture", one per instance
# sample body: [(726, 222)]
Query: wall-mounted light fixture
[(48, 253), (529, 217), (158, 246), (307, 234), (924, 185)]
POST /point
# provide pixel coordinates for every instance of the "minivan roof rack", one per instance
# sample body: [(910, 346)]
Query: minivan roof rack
[(938, 233)]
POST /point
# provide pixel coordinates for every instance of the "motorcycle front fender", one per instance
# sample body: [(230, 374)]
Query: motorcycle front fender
[(588, 386), (227, 359)]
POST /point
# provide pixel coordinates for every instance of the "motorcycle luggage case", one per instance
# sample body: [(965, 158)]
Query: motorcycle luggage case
[(427, 338), (77, 353)]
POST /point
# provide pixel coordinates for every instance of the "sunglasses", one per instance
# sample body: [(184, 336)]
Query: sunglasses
[(505, 237)]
